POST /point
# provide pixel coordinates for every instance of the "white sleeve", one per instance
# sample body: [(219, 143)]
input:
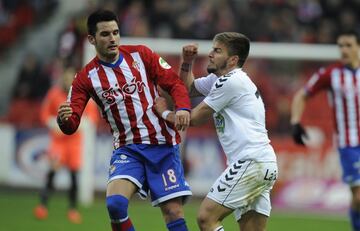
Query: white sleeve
[(221, 94), (204, 84)]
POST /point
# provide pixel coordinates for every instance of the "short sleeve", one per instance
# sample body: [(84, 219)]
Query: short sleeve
[(220, 94), (204, 84)]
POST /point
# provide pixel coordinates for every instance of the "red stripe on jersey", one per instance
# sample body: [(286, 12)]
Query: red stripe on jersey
[(356, 97), (344, 109), (114, 110), (130, 110)]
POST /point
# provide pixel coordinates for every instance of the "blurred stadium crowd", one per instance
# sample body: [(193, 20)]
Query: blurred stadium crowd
[(295, 21)]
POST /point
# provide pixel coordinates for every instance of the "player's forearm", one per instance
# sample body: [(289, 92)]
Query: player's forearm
[(200, 114), (186, 74), (298, 106), (69, 126)]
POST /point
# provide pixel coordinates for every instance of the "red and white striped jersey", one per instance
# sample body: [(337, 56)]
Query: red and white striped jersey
[(125, 92), (344, 86)]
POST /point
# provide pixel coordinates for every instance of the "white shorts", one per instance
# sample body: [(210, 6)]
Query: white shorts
[(245, 186)]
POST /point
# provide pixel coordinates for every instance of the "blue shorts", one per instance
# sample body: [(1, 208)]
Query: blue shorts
[(350, 162), (156, 169)]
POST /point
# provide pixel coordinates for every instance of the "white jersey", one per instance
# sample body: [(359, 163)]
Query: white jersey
[(239, 116)]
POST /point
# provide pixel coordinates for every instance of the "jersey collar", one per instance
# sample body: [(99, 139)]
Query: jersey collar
[(113, 65)]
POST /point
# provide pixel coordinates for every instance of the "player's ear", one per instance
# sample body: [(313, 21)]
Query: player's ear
[(91, 39), (234, 60)]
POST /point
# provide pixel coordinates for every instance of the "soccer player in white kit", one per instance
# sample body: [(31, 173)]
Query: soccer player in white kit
[(239, 115)]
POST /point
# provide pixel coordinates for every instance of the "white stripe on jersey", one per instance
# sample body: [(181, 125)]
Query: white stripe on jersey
[(136, 104), (351, 107), (339, 107), (95, 81)]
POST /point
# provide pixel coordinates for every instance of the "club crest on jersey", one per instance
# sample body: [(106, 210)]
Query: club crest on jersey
[(136, 65), (164, 64), (117, 93)]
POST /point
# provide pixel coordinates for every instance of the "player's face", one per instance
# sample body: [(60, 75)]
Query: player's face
[(349, 49), (219, 60), (68, 78), (106, 41)]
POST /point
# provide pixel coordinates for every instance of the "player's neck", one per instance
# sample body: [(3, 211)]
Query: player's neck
[(111, 60), (226, 70)]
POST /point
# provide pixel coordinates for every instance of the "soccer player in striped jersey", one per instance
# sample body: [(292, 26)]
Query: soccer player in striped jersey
[(235, 104), (123, 81), (342, 81)]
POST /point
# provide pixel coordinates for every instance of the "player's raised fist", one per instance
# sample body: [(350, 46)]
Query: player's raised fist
[(190, 52)]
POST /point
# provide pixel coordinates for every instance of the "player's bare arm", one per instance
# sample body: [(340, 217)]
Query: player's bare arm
[(64, 112), (200, 114), (189, 54)]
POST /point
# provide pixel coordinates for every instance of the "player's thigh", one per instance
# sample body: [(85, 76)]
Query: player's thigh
[(252, 221), (212, 211), (166, 178), (126, 167), (121, 187)]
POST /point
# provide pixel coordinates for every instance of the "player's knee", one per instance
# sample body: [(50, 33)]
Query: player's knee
[(203, 220), (172, 210), (117, 206)]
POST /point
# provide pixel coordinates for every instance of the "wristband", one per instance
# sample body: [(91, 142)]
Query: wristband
[(185, 67), (165, 114)]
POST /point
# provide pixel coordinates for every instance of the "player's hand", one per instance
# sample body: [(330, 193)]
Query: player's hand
[(182, 120), (298, 133), (160, 105), (189, 52), (64, 111)]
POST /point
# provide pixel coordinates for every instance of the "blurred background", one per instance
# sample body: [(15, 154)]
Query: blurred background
[(290, 40)]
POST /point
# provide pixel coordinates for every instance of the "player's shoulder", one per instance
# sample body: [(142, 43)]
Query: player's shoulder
[(135, 48), (234, 79), (330, 68), (88, 70)]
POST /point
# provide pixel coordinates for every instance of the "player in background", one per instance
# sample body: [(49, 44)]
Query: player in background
[(63, 151), (123, 81), (342, 81), (234, 102)]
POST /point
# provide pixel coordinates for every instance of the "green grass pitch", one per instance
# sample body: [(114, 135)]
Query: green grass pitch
[(16, 215)]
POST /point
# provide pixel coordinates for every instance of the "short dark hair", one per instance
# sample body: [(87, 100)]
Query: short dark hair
[(99, 16), (350, 33), (236, 43)]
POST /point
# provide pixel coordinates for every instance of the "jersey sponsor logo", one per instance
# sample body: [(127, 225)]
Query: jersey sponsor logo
[(112, 94), (219, 123), (164, 64)]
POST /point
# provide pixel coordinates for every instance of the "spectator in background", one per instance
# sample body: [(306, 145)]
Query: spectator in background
[(341, 80), (63, 151), (30, 87), (31, 83)]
